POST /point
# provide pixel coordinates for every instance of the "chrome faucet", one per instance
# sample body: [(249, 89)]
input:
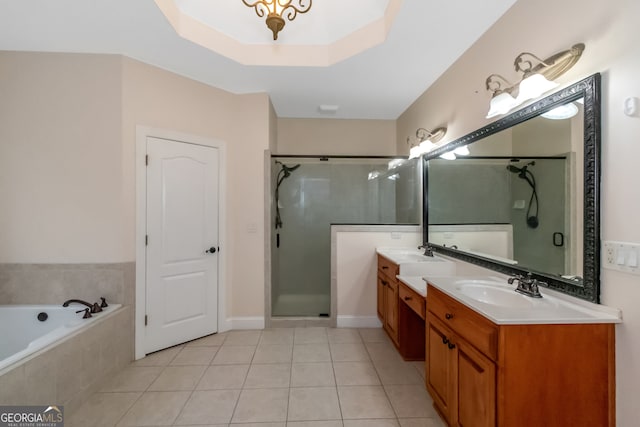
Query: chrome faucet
[(527, 285), (94, 308), (427, 250)]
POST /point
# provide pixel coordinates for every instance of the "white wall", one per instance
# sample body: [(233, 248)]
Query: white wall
[(609, 30)]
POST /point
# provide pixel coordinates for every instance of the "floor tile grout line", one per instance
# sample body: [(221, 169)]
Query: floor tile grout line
[(335, 378)]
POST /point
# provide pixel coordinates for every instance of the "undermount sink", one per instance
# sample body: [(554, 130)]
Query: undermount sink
[(494, 293), (418, 258), (413, 263)]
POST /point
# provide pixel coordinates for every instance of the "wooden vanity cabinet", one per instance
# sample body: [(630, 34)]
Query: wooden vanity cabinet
[(517, 375), (401, 310), (388, 296), (460, 378)]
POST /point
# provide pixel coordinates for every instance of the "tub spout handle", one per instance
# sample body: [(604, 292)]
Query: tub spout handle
[(103, 302), (96, 308), (87, 313)]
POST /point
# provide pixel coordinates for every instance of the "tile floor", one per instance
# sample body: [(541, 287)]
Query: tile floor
[(302, 377)]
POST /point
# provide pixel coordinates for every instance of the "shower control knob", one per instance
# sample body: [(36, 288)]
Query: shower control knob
[(211, 250)]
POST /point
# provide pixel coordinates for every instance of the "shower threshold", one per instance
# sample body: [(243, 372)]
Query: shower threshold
[(301, 322)]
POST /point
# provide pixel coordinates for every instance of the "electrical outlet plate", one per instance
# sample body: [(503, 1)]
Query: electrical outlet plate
[(621, 256)]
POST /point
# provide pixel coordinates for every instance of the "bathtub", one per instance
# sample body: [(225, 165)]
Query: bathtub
[(27, 329)]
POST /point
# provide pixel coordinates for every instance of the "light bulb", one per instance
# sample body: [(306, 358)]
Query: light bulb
[(462, 151), (415, 152), (561, 112)]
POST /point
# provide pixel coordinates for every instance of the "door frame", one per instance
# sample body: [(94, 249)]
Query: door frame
[(142, 133)]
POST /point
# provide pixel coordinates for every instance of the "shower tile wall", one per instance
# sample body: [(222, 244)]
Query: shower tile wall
[(55, 283)]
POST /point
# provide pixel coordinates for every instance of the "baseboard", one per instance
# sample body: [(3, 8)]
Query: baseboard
[(359, 322), (244, 323)]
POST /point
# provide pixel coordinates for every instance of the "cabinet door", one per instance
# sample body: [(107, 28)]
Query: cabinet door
[(439, 366), (381, 287), (476, 387), (391, 309)]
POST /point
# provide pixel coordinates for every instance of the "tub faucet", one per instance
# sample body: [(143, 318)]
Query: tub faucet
[(427, 250), (87, 313), (526, 285), (94, 308)]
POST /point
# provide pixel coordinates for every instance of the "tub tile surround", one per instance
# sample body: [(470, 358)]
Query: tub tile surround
[(74, 368), (55, 283), (266, 388)]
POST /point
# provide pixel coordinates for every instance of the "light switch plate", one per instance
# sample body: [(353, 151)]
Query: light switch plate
[(621, 256)]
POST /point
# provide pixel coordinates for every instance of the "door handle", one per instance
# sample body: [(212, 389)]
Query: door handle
[(211, 250)]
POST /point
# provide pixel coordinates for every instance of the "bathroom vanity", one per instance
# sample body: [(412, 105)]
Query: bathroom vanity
[(388, 296), (502, 359), (401, 296)]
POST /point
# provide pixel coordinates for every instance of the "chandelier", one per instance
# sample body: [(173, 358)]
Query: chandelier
[(277, 10)]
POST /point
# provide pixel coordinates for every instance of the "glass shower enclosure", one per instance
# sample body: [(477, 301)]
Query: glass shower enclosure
[(311, 194)]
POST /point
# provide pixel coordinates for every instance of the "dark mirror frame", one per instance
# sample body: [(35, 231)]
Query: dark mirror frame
[(589, 89)]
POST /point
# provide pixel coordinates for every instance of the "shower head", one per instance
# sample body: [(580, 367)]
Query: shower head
[(286, 170), (290, 168), (514, 169), (520, 171)]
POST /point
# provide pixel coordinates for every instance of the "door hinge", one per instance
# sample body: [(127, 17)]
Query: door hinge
[(145, 320), (146, 240), (146, 160)]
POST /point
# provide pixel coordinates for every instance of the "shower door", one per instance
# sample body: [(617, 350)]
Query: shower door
[(310, 198)]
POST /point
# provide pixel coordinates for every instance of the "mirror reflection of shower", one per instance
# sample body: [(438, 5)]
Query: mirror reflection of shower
[(283, 173), (525, 174)]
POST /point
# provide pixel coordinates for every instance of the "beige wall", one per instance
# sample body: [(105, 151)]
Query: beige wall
[(60, 169), (336, 137), (458, 99), (67, 160), (157, 98)]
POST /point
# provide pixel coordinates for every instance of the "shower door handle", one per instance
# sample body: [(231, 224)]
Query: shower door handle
[(211, 250)]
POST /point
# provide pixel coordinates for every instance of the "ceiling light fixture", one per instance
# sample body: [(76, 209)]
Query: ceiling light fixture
[(538, 78), (426, 141), (277, 10), (502, 101)]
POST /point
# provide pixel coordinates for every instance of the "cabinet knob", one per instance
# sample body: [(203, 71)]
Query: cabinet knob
[(385, 267), (384, 283), (408, 298), (451, 346), (448, 316), (445, 340)]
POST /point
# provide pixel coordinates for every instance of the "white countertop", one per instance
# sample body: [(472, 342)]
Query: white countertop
[(416, 283), (413, 262), (552, 308)]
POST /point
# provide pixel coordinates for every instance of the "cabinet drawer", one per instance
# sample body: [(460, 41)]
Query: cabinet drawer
[(412, 299), (476, 329), (388, 267)]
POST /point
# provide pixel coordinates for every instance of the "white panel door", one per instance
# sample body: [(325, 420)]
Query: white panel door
[(182, 247)]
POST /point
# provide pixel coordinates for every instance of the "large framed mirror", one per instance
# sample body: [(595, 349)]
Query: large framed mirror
[(527, 197)]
